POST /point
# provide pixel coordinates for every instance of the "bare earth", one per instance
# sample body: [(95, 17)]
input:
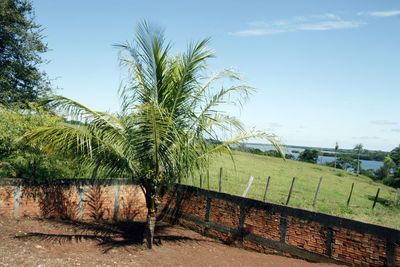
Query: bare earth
[(34, 242)]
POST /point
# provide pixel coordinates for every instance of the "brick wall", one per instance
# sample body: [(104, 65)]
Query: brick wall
[(273, 228), (72, 199), (6, 200), (248, 223)]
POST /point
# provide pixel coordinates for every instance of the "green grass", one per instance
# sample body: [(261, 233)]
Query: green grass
[(332, 197)]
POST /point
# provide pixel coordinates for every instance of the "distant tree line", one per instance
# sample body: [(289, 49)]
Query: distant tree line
[(257, 151), (365, 154)]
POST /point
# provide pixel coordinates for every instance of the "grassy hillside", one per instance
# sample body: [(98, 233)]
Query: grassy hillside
[(332, 197)]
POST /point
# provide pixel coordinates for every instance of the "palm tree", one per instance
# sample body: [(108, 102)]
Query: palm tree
[(358, 148), (170, 112), (336, 150)]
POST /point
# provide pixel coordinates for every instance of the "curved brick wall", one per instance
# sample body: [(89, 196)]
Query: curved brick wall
[(273, 228), (248, 223)]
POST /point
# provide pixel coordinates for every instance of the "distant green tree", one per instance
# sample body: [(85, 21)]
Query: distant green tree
[(336, 150), (273, 153), (388, 163), (29, 161), (393, 180), (395, 155), (384, 171), (21, 45), (358, 148), (290, 156), (396, 173), (309, 155), (344, 162), (369, 173)]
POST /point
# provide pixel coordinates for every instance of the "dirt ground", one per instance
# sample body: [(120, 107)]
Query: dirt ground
[(35, 242)]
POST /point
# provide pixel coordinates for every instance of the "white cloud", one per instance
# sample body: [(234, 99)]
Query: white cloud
[(383, 122), (322, 22), (255, 32), (275, 124), (396, 130), (300, 18), (366, 138), (326, 16), (389, 13), (330, 25)]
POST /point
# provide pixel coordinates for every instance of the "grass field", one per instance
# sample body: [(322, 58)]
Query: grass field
[(332, 197)]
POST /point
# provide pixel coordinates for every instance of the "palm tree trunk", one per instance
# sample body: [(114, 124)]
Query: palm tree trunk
[(94, 173), (151, 223), (358, 164), (151, 218)]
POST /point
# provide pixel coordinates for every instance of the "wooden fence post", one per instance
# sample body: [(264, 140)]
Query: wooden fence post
[(290, 191), (220, 179), (351, 192), (266, 188), (208, 178), (201, 180), (316, 193), (396, 197), (376, 197), (248, 186)]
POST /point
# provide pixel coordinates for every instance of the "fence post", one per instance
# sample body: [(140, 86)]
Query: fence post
[(17, 200), (290, 191), (376, 197), (117, 189), (201, 180), (316, 193), (266, 188), (81, 200), (248, 186), (396, 197), (351, 192), (220, 179), (208, 178)]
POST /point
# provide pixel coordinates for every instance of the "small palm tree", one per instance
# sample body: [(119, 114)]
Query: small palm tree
[(336, 150), (170, 112), (358, 148)]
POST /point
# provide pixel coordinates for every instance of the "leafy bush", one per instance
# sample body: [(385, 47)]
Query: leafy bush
[(369, 172), (257, 151), (273, 153), (290, 156), (309, 155), (30, 161), (392, 181), (395, 155), (344, 162)]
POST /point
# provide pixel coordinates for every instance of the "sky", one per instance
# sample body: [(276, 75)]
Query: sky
[(325, 71)]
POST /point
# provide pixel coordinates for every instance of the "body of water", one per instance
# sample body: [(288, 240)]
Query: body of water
[(365, 164)]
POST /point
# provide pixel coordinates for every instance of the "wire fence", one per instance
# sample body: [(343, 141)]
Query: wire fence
[(224, 184)]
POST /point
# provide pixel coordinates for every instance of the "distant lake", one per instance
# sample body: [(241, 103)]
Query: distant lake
[(365, 164)]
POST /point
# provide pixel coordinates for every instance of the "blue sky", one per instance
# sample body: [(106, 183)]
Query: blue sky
[(325, 71)]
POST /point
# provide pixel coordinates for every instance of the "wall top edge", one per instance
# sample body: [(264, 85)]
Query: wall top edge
[(63, 182)]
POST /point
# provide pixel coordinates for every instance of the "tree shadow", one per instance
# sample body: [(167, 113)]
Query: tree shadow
[(109, 235)]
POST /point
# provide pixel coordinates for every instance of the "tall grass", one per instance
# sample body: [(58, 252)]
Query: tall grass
[(333, 194)]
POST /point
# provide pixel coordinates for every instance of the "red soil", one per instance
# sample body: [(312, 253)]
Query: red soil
[(34, 242)]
